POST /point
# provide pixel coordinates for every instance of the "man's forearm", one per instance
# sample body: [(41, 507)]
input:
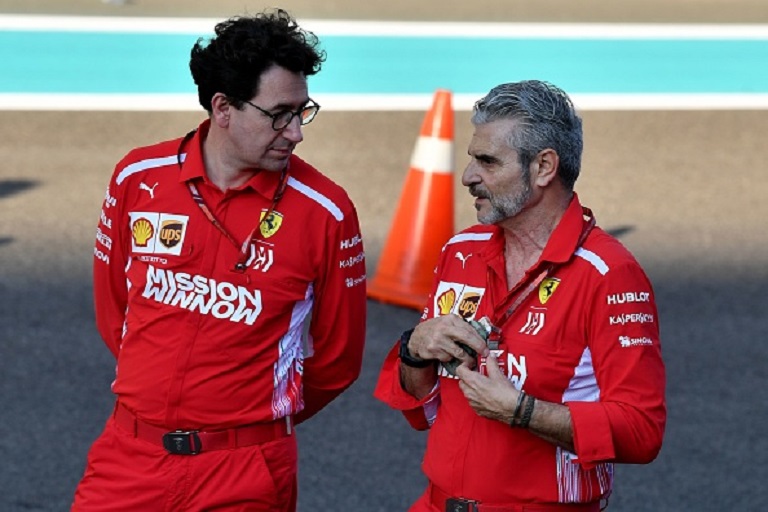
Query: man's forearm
[(552, 422), (418, 382)]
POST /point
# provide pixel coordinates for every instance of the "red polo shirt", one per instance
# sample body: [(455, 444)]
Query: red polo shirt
[(587, 337), (200, 345)]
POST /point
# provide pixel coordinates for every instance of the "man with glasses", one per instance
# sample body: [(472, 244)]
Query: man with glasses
[(229, 281), (537, 364)]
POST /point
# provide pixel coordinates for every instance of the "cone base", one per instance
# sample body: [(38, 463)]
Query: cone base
[(398, 297)]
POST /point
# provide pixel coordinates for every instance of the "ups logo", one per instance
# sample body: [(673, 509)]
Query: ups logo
[(468, 305), (170, 233)]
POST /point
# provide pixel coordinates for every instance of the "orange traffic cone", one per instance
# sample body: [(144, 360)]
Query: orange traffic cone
[(424, 218)]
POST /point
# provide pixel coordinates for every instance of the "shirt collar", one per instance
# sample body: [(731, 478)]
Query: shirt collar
[(561, 244), (263, 182), (563, 240)]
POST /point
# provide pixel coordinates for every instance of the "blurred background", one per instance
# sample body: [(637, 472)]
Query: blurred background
[(683, 188)]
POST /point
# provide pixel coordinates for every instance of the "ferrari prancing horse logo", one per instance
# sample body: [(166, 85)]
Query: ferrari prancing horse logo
[(269, 225), (547, 288)]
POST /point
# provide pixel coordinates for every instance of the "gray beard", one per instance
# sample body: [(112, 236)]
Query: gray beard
[(505, 207)]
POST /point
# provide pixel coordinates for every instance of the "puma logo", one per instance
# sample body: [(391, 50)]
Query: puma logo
[(144, 186), (463, 259)]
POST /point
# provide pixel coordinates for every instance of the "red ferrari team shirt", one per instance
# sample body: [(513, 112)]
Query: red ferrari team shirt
[(587, 336), (200, 344)]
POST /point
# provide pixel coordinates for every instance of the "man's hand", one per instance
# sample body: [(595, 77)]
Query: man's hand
[(492, 396), (439, 338)]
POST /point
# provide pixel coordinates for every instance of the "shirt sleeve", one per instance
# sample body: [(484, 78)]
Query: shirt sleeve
[(110, 289), (420, 413), (337, 330), (627, 423)]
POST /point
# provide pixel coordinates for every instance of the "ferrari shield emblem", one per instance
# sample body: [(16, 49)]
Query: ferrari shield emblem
[(547, 288), (269, 225)]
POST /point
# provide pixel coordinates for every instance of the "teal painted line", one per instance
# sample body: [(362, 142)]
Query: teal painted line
[(72, 62), (66, 62), (417, 65)]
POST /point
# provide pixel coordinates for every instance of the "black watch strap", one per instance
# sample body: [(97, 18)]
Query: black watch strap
[(405, 355)]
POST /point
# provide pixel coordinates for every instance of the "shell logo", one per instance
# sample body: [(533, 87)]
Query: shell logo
[(142, 231), (446, 301)]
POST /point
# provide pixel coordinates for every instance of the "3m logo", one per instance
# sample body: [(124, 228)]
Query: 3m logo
[(157, 233), (468, 305), (268, 225), (547, 288), (170, 233)]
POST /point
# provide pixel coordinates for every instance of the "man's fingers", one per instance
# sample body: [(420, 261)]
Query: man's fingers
[(492, 367), (465, 372)]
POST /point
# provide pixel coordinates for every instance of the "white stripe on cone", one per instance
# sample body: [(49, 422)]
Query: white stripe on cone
[(433, 155)]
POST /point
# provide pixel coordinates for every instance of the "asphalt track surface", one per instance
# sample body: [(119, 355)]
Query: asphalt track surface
[(685, 191)]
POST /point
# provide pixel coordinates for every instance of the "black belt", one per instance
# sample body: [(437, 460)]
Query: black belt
[(192, 442)]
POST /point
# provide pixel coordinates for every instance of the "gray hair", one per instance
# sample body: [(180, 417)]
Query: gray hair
[(546, 119)]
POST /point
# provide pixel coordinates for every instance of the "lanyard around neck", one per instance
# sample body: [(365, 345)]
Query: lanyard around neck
[(244, 255), (254, 235)]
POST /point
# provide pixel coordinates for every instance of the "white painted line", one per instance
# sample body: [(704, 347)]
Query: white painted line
[(25, 22), (202, 26), (539, 30), (371, 102)]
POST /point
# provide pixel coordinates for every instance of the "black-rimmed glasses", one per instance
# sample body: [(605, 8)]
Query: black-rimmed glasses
[(283, 118)]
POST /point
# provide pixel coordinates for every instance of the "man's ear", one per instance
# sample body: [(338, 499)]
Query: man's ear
[(545, 166), (220, 110)]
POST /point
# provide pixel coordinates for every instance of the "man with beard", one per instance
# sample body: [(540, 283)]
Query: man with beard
[(220, 290), (537, 362)]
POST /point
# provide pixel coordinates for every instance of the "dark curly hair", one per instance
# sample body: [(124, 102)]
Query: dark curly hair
[(233, 61)]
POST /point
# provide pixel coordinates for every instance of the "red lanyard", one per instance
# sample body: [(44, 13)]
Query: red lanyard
[(240, 266), (520, 298)]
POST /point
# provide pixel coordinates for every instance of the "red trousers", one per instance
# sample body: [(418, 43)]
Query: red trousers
[(129, 474)]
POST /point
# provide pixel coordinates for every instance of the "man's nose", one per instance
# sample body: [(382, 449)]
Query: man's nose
[(293, 131), (469, 176)]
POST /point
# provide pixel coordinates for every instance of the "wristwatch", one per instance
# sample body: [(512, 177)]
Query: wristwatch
[(405, 355)]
